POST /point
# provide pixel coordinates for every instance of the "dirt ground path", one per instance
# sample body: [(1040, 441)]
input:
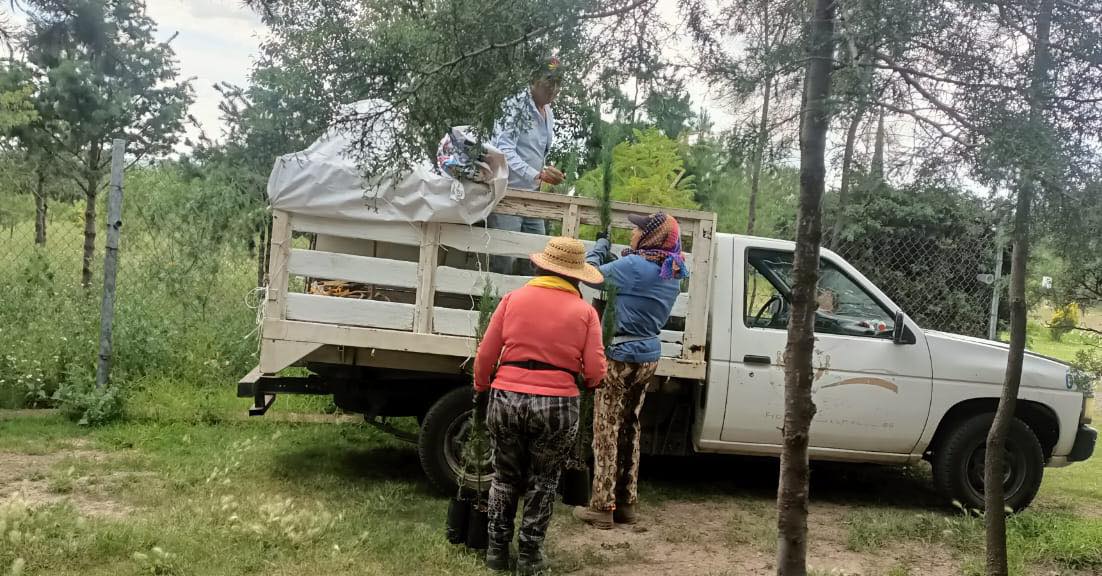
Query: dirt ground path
[(63, 475), (731, 538)]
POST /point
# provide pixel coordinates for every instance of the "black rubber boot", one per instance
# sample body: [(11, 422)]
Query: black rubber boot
[(531, 562), (497, 558), (625, 514)]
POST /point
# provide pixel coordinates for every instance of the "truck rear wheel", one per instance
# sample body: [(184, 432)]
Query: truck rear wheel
[(444, 432), (958, 463)]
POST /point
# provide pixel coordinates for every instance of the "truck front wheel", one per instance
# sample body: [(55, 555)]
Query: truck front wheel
[(958, 463), (444, 433)]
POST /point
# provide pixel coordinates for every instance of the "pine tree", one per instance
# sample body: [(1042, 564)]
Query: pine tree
[(102, 75)]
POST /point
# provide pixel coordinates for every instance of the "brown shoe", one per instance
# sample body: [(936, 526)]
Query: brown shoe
[(625, 514), (596, 518)]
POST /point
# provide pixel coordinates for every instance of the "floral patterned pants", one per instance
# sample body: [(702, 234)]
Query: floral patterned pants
[(616, 408)]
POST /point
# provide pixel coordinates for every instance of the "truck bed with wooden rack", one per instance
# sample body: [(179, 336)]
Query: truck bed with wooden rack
[(405, 336)]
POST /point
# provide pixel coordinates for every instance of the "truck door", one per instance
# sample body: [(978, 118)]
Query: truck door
[(871, 394)]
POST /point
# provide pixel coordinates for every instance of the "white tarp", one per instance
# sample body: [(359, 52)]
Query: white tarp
[(324, 181)]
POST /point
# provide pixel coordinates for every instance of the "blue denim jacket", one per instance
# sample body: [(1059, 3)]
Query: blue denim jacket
[(525, 137), (643, 302)]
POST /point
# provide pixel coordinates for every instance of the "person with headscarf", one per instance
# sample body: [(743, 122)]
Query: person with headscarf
[(524, 134), (648, 281), (541, 340)]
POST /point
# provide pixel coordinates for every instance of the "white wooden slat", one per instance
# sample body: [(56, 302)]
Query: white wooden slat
[(672, 336), (275, 355), (675, 367), (435, 344), (542, 204), (454, 322), (681, 306), (349, 311), (541, 208), (368, 338), (426, 277), (364, 269), (696, 319), (457, 281), (503, 242), (275, 307), (570, 221), (395, 232), (485, 241), (590, 293), (620, 220), (398, 273)]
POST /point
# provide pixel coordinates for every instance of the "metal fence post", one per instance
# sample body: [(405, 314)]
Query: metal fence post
[(110, 262), (993, 320)]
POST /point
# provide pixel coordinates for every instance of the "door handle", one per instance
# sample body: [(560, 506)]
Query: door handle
[(751, 359)]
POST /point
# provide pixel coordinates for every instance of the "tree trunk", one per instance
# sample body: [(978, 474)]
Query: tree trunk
[(759, 156), (40, 207), (91, 190), (259, 254), (995, 461), (865, 73), (876, 167), (847, 175), (265, 250), (792, 494), (89, 238)]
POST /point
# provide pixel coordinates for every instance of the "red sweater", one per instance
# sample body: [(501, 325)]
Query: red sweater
[(546, 325)]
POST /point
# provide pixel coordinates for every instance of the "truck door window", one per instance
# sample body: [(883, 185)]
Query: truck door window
[(765, 305), (844, 306)]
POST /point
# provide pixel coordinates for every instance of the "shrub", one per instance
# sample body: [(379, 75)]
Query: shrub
[(1088, 369), (88, 405), (1064, 320)]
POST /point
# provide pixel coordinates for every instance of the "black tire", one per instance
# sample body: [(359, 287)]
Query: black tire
[(958, 463), (443, 432)]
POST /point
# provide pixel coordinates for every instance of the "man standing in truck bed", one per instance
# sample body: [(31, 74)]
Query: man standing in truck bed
[(524, 134), (647, 280)]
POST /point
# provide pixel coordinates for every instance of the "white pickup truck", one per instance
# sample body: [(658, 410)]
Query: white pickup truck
[(886, 390)]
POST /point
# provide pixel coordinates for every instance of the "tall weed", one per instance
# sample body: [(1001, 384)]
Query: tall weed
[(185, 273)]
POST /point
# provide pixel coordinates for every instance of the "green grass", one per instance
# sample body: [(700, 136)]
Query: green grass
[(1041, 342), (1061, 532), (217, 493), (1039, 338), (254, 497)]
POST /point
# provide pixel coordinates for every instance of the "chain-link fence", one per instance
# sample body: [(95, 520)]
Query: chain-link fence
[(186, 284), (189, 254), (943, 283)]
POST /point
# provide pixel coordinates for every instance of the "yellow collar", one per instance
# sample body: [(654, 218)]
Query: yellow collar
[(554, 283)]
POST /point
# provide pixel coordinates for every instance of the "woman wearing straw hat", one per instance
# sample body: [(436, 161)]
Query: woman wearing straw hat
[(648, 281), (539, 340)]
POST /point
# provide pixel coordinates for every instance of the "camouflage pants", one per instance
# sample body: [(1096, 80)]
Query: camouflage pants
[(616, 408), (531, 436)]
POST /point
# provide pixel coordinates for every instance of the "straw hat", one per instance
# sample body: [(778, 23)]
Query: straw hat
[(566, 256)]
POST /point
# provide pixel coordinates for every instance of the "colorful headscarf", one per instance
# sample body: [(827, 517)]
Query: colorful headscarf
[(550, 68), (660, 242)]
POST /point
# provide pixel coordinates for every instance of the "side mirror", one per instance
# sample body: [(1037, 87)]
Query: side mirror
[(900, 329)]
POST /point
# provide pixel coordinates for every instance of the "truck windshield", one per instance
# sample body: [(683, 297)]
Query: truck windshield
[(844, 306)]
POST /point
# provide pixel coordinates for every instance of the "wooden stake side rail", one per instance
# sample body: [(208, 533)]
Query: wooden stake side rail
[(297, 325)]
